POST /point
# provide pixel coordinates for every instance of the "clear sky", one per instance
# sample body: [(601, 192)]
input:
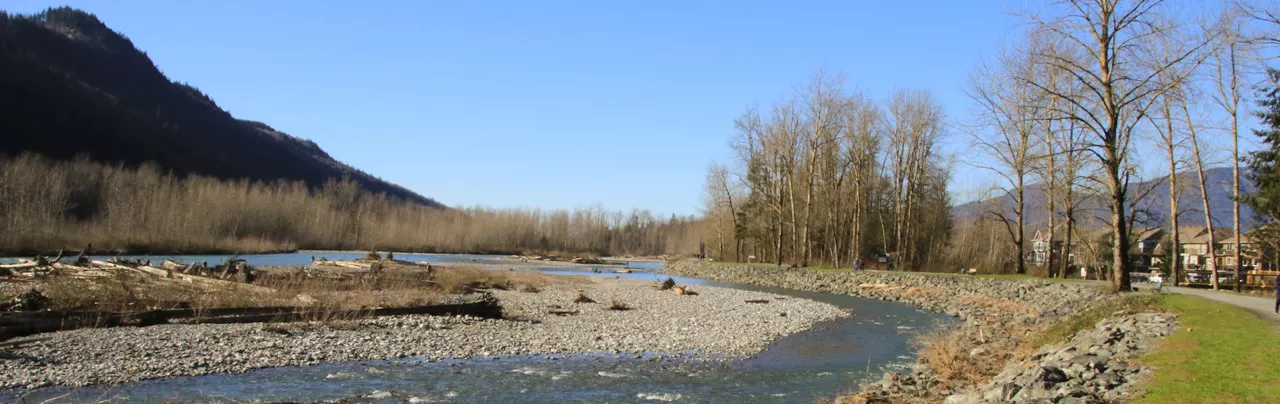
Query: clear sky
[(549, 104)]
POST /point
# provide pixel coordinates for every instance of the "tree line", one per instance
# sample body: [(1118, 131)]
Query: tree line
[(829, 176), (47, 205)]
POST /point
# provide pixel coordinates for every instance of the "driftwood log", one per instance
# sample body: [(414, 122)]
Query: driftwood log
[(20, 265), (20, 324), (343, 264), (81, 271), (36, 263), (203, 281)]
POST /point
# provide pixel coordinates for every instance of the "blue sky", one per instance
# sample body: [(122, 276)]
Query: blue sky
[(549, 104)]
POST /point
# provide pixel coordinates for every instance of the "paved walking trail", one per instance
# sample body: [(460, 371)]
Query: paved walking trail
[(1261, 306)]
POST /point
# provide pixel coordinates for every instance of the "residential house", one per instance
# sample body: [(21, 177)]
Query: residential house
[(1144, 247), (1250, 253), (1097, 243), (1041, 249), (1194, 245)]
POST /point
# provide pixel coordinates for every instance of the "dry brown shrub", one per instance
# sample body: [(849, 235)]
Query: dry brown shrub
[(667, 284), (991, 303), (947, 353), (996, 309), (919, 292), (866, 398), (617, 306)]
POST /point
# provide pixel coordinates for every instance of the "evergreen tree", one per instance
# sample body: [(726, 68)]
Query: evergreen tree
[(1263, 162)]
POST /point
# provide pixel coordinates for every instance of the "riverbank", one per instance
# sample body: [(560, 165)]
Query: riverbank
[(1005, 321), (716, 323)]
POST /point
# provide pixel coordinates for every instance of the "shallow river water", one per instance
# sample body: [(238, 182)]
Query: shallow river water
[(831, 358)]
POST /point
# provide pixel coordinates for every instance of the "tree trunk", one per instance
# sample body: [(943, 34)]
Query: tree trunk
[(1066, 245), (1119, 231), (1235, 204), (1204, 198), (1175, 264), (778, 240), (1020, 247)]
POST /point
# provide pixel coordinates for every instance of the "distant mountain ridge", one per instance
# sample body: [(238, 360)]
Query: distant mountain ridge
[(1155, 204), (69, 85)]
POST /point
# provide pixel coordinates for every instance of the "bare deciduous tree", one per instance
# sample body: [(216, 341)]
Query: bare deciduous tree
[(1010, 112), (914, 129), (1118, 88), (1228, 53), (822, 182)]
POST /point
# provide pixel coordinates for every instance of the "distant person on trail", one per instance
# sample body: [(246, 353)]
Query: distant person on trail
[(1277, 293)]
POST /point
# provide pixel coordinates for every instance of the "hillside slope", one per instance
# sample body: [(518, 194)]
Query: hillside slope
[(1155, 202), (69, 86)]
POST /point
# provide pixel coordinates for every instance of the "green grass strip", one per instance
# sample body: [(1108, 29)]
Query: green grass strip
[(1219, 354)]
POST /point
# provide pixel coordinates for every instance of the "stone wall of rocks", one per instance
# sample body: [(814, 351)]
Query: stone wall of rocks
[(1095, 366)]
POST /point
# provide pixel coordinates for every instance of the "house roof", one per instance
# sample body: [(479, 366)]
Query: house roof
[(1200, 234), (1042, 233), (1244, 239), (1136, 234), (1148, 234)]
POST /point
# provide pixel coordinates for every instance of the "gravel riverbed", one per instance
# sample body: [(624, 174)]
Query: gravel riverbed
[(717, 323)]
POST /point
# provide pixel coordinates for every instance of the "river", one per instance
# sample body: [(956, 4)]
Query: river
[(832, 358)]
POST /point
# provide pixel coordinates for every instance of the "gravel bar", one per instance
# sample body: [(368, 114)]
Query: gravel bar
[(715, 324)]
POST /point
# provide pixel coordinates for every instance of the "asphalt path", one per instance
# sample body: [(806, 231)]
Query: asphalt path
[(1262, 306)]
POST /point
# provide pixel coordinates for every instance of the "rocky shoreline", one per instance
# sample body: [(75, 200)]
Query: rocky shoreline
[(714, 324), (934, 292), (1094, 366)]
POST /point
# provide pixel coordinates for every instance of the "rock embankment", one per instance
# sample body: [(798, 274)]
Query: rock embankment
[(950, 294), (715, 323), (1095, 366)]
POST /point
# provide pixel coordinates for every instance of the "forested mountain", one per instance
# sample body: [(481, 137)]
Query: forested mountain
[(1151, 197), (70, 86)]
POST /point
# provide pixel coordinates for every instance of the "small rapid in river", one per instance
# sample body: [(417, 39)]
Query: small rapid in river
[(831, 358)]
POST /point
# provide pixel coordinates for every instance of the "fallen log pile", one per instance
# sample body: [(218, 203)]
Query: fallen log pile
[(367, 264), (19, 324), (232, 271)]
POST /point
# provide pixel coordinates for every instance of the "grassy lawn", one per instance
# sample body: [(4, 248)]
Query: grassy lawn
[(1220, 354)]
